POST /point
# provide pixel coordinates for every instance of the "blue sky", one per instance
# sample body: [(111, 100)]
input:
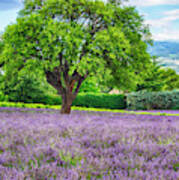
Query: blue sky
[(8, 12), (161, 15)]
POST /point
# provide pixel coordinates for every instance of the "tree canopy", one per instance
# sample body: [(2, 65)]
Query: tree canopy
[(157, 78), (70, 40)]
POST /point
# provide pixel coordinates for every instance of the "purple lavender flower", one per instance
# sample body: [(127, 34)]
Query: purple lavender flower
[(42, 144)]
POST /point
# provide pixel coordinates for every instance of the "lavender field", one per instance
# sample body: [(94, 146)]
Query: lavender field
[(43, 145)]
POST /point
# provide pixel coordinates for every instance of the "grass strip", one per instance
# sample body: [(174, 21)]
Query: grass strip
[(42, 106)]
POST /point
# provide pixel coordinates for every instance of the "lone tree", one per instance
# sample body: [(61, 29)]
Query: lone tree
[(70, 40)]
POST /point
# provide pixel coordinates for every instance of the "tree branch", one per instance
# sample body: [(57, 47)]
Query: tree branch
[(78, 86), (53, 78), (81, 79)]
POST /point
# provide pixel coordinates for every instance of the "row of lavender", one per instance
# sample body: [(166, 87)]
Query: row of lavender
[(87, 145)]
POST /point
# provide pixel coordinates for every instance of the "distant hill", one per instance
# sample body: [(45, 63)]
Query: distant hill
[(165, 49), (168, 53)]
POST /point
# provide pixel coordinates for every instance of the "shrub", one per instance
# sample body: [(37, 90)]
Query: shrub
[(48, 99), (24, 88), (96, 100), (3, 97), (153, 100), (109, 101)]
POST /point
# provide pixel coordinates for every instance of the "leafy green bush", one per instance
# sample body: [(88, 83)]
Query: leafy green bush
[(49, 99), (96, 100), (22, 88), (153, 100), (3, 97), (109, 101)]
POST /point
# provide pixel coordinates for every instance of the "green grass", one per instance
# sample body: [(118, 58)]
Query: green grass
[(176, 167), (42, 106)]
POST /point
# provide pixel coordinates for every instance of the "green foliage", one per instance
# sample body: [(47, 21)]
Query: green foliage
[(24, 105), (75, 39), (1, 44), (176, 166), (153, 100), (23, 88), (3, 97), (42, 106), (156, 78), (49, 99), (151, 80), (170, 79), (109, 101), (90, 85), (95, 100), (69, 159)]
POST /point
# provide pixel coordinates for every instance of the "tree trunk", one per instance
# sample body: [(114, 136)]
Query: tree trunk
[(67, 100), (68, 92)]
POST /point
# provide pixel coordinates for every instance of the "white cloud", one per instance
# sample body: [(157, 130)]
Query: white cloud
[(162, 22), (174, 12), (163, 27), (171, 35), (157, 23), (165, 22), (153, 2)]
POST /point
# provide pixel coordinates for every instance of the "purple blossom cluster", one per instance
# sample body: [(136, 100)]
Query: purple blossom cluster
[(87, 145)]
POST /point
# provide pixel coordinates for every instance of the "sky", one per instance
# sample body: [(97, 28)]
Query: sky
[(161, 15)]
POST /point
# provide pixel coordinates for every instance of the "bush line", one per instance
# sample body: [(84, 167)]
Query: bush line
[(57, 107)]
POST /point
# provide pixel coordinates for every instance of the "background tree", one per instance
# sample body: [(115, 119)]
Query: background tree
[(157, 78), (1, 49), (24, 87), (170, 79), (151, 80), (90, 84), (69, 40)]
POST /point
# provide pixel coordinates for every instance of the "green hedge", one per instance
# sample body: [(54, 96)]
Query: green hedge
[(26, 105), (98, 100), (153, 100), (49, 100), (109, 101)]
